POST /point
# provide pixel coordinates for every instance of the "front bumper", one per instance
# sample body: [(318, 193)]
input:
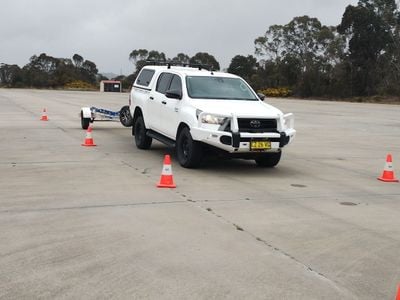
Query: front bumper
[(239, 142)]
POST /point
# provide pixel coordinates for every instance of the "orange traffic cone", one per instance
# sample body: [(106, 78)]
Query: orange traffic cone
[(89, 140), (388, 173), (44, 115), (398, 293), (167, 179)]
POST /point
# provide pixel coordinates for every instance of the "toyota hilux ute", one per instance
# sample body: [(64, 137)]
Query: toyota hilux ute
[(194, 110)]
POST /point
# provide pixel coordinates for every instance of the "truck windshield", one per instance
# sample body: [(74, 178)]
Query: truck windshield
[(220, 88)]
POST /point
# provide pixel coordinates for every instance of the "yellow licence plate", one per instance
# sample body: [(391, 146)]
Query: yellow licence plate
[(260, 145)]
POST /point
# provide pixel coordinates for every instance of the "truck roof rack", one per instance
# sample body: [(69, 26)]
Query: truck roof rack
[(171, 63)]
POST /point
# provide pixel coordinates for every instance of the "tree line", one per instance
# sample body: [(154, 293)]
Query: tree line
[(44, 71), (141, 57), (359, 57)]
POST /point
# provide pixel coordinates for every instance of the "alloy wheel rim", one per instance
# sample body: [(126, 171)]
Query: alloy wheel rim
[(124, 117)]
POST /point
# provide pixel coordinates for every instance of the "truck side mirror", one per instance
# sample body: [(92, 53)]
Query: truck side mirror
[(174, 94), (261, 96)]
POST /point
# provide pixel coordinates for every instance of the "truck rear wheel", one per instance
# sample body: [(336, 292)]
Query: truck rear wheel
[(269, 160), (190, 152), (141, 139)]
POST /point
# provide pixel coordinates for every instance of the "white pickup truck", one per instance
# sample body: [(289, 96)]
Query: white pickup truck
[(194, 110)]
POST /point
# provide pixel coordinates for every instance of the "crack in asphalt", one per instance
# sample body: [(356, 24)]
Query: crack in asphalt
[(268, 244), (45, 162), (240, 228), (273, 248), (91, 206)]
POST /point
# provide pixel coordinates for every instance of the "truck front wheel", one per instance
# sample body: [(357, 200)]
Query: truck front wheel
[(269, 160), (141, 139), (189, 152)]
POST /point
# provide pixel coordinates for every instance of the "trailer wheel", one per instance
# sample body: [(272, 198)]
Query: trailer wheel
[(85, 122), (125, 116)]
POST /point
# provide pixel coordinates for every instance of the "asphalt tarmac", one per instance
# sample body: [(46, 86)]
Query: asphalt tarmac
[(90, 223)]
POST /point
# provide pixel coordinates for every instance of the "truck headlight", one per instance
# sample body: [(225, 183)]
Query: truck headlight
[(212, 119)]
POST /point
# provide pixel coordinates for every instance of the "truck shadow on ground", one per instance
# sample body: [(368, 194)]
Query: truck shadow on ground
[(224, 165)]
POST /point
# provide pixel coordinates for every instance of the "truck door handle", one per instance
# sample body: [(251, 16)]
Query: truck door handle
[(151, 98), (164, 102)]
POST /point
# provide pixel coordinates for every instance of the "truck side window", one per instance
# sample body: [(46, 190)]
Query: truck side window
[(176, 83), (145, 77), (163, 82)]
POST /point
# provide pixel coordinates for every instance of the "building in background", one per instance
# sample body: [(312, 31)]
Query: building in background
[(110, 86)]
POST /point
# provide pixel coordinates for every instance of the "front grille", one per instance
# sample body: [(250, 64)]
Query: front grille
[(257, 125)]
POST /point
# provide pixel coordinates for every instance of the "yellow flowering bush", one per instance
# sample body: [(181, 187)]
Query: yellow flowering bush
[(79, 85), (280, 92)]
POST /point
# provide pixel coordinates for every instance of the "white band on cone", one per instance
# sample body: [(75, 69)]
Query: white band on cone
[(167, 170)]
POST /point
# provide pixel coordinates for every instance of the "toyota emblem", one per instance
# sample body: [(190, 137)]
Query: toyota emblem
[(255, 123)]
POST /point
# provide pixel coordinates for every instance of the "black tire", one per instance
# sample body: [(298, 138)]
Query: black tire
[(125, 116), (85, 122), (269, 160), (141, 139), (190, 152)]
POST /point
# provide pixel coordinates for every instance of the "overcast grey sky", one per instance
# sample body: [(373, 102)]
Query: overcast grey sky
[(105, 31)]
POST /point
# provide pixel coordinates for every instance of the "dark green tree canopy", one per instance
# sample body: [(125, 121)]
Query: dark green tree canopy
[(78, 60), (372, 31), (298, 54), (243, 66), (304, 38), (182, 58), (205, 58), (140, 54), (156, 56), (140, 57), (10, 75)]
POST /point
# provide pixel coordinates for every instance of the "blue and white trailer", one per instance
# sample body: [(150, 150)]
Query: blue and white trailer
[(92, 114)]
